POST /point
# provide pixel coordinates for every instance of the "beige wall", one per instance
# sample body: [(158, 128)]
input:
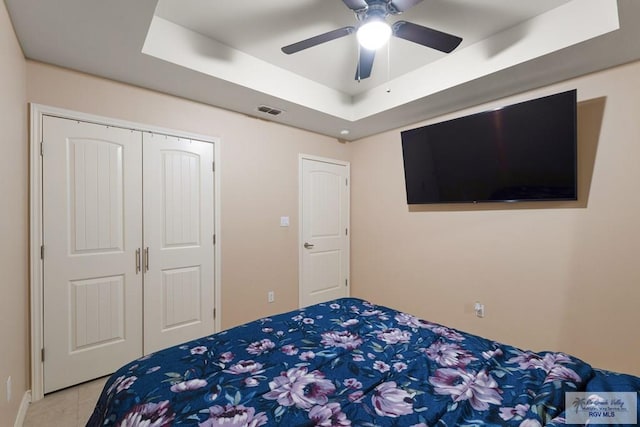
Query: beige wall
[(14, 330), (259, 166), (552, 276)]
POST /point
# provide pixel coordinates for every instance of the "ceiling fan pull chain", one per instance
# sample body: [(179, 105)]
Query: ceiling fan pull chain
[(359, 51), (389, 66)]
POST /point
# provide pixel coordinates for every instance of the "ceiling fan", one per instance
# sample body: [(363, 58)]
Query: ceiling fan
[(372, 15)]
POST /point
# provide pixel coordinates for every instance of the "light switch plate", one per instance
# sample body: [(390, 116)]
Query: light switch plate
[(284, 221)]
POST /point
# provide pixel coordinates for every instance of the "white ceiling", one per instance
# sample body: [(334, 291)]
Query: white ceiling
[(248, 26), (228, 54)]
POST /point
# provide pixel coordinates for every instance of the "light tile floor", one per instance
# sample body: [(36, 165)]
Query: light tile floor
[(70, 407)]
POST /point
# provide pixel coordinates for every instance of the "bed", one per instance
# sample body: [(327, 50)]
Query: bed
[(348, 363)]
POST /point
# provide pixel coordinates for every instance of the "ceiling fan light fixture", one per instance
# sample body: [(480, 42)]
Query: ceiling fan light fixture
[(374, 34)]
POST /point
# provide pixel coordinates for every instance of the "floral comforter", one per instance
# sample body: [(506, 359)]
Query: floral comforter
[(346, 363)]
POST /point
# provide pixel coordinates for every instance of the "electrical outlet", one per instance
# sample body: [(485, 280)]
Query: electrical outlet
[(9, 387), (271, 296)]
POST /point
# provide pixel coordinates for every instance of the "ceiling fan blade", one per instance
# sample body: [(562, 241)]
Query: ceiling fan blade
[(356, 4), (399, 6), (365, 65), (316, 40), (426, 36)]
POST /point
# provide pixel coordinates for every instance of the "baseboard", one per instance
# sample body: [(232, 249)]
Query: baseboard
[(22, 411)]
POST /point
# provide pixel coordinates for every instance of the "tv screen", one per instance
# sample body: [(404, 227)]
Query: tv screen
[(521, 152)]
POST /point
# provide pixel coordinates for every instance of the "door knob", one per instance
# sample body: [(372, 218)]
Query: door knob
[(308, 245)]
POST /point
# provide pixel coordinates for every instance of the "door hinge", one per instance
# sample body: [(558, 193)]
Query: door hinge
[(213, 166), (346, 282), (41, 251), (214, 240), (346, 231), (346, 181), (42, 354), (41, 148), (214, 313)]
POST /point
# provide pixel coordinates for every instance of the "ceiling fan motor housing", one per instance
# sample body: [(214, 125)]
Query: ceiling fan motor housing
[(376, 9)]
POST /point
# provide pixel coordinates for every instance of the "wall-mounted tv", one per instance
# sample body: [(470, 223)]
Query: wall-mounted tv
[(521, 152)]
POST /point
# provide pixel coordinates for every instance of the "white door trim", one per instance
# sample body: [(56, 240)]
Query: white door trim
[(37, 111), (302, 157)]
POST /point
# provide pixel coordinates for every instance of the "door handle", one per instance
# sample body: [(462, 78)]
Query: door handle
[(137, 260), (146, 259), (308, 245)]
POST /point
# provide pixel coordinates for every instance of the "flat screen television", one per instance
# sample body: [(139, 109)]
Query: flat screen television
[(522, 152)]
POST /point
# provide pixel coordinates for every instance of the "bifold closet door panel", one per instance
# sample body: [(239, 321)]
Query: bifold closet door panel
[(178, 252), (92, 222)]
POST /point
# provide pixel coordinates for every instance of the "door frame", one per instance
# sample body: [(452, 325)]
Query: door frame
[(36, 273), (301, 158)]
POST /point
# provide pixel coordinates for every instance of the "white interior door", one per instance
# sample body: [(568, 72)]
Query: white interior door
[(92, 225), (324, 224), (178, 241)]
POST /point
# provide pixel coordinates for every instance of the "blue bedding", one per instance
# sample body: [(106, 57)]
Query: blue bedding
[(347, 363)]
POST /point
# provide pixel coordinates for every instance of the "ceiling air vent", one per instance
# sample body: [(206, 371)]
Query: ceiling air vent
[(269, 110)]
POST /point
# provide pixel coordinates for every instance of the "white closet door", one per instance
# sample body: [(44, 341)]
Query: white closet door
[(178, 241), (324, 251), (92, 226)]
